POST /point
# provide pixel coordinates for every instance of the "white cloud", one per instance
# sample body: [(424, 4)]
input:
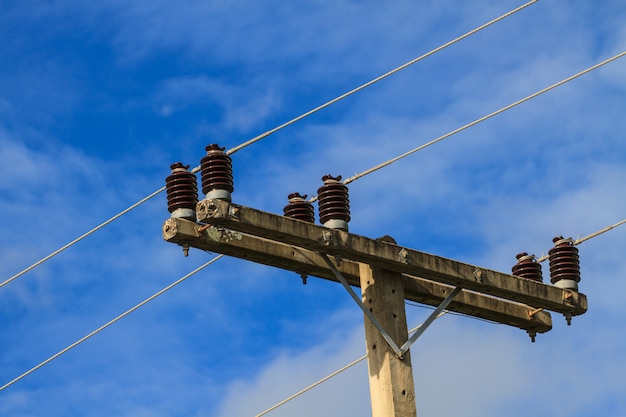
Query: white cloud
[(291, 371)]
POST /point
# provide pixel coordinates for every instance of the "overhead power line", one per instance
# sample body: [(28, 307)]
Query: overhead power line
[(116, 319), (591, 236), (269, 132), (482, 119), (375, 80), (78, 239)]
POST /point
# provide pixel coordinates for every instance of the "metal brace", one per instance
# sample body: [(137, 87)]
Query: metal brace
[(405, 347), (368, 313)]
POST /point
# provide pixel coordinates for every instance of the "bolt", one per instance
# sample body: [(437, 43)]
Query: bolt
[(568, 319), (532, 335), (327, 237), (185, 250), (478, 274), (304, 277)]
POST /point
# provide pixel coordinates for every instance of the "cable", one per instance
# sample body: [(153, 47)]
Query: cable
[(591, 236), (337, 372), (269, 132), (310, 387), (375, 80), (99, 329), (482, 119), (78, 239), (475, 122), (599, 232)]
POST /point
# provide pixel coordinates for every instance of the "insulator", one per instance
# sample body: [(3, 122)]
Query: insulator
[(334, 205), (182, 192), (299, 208), (527, 267), (564, 264), (217, 173)]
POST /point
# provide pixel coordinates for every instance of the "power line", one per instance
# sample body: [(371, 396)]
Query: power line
[(375, 80), (274, 130), (99, 329), (477, 121), (315, 384), (599, 232), (78, 239), (591, 236), (482, 119), (326, 378)]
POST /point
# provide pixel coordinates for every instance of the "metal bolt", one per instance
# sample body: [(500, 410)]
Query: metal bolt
[(327, 237), (478, 274), (568, 318)]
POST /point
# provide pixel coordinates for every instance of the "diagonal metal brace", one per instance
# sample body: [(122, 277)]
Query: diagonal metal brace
[(433, 316), (368, 313)]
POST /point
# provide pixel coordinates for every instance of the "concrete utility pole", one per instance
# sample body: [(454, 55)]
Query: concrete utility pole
[(388, 274), (391, 379)]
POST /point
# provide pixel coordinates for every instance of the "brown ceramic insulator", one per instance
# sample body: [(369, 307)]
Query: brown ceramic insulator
[(527, 267), (333, 200), (181, 188), (299, 208), (564, 261), (217, 170)]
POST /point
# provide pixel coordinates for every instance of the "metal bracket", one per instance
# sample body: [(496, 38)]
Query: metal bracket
[(368, 313), (433, 316), (327, 238)]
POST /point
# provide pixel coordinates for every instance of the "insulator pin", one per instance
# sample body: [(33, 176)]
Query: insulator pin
[(527, 267), (334, 205), (299, 208), (182, 192), (564, 264), (217, 174)]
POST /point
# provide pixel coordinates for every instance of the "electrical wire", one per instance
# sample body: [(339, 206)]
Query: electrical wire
[(326, 378), (310, 387), (598, 233), (591, 236), (375, 80), (274, 130), (477, 121), (78, 239), (99, 329), (482, 119)]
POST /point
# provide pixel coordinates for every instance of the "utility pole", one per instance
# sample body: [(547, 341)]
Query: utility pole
[(387, 273), (392, 390)]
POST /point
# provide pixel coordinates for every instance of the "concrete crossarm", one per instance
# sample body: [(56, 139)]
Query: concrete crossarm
[(389, 256), (307, 263)]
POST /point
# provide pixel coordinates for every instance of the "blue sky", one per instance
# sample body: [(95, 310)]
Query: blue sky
[(97, 99)]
